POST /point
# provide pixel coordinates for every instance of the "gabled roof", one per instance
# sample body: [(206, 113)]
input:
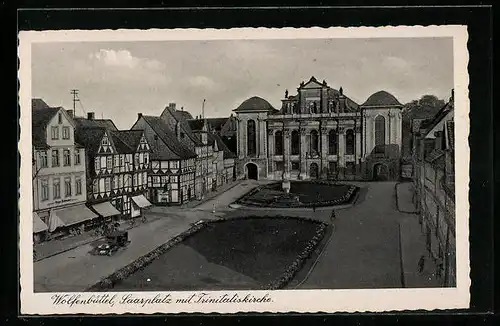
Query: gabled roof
[(442, 113), (182, 115), (181, 118), (198, 133), (450, 135), (167, 136), (255, 104), (90, 138), (382, 99), (223, 147), (196, 124), (103, 123), (40, 118), (121, 146), (130, 137), (38, 103)]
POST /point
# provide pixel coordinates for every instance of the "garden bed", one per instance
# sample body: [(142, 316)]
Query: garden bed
[(252, 252), (302, 194)]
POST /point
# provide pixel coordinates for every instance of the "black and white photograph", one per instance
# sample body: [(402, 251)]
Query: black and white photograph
[(236, 170)]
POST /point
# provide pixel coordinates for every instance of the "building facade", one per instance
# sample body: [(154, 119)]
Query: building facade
[(59, 178), (171, 179), (320, 133), (117, 168), (434, 184)]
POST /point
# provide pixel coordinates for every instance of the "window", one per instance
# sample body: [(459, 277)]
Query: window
[(105, 141), (314, 146), (115, 182), (109, 162), (67, 187), (332, 142), (55, 157), (349, 142), (77, 156), (278, 143), (295, 166), (121, 161), (65, 134), (107, 184), (332, 167), (95, 186), (350, 168), (295, 142), (280, 166), (251, 138), (66, 157), (135, 180), (379, 134), (54, 131), (56, 188), (144, 178), (78, 186), (59, 118), (146, 159), (43, 159), (97, 162), (45, 189)]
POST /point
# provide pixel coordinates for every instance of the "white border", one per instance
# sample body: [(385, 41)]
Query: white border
[(283, 300)]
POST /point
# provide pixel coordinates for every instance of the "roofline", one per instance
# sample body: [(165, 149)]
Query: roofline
[(440, 115), (381, 106), (180, 156)]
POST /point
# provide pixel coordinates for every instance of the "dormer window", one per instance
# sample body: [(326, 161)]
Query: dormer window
[(105, 141)]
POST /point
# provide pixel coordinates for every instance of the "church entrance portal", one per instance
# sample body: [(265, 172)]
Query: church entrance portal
[(380, 172), (251, 171)]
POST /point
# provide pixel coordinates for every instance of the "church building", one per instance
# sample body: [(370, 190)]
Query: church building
[(320, 133)]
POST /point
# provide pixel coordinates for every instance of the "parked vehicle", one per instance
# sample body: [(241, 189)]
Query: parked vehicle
[(115, 241)]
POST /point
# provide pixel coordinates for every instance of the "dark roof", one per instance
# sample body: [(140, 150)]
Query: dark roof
[(255, 104), (439, 116), (130, 137), (169, 139), (121, 146), (223, 147), (182, 115), (350, 104), (38, 103), (382, 98), (90, 138), (40, 118), (102, 123), (216, 123), (196, 124), (181, 118)]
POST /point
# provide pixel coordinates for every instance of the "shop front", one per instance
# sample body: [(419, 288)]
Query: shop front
[(69, 220), (39, 229)]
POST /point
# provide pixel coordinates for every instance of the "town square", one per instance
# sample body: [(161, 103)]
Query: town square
[(155, 171)]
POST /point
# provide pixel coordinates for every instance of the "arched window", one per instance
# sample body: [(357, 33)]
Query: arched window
[(314, 146), (349, 142), (251, 138), (332, 142), (278, 143), (379, 133), (295, 142)]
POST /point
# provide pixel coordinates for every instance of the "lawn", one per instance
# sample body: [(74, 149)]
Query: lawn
[(302, 194), (247, 253)]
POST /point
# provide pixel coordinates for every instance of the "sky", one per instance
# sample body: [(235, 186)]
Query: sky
[(117, 80)]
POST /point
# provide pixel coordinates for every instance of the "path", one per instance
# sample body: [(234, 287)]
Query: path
[(364, 251)]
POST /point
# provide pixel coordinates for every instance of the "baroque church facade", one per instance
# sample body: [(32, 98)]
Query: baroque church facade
[(320, 133)]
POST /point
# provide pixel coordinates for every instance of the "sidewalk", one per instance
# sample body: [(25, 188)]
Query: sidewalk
[(412, 247), (404, 198)]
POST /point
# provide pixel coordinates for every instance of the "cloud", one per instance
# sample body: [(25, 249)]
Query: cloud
[(123, 58), (202, 82), (395, 62)]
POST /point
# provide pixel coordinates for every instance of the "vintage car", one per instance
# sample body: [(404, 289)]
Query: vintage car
[(114, 241)]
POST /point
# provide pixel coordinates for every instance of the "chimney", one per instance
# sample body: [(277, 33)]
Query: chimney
[(139, 115), (70, 113), (182, 108), (90, 116)]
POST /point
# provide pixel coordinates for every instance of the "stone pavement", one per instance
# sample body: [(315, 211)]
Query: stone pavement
[(364, 249), (404, 195)]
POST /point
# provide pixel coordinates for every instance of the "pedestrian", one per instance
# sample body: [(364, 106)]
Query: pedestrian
[(421, 264)]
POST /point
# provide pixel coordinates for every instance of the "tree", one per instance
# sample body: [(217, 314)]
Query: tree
[(424, 108)]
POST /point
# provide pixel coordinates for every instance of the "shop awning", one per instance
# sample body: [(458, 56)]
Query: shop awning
[(75, 214), (38, 224), (141, 201), (105, 209)]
